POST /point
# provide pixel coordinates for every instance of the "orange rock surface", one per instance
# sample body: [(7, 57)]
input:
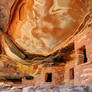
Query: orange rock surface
[(41, 26)]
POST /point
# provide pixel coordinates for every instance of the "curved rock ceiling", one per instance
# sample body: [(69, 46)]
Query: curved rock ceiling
[(41, 26)]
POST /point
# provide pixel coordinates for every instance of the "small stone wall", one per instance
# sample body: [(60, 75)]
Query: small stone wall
[(40, 79), (83, 74), (68, 66), (84, 39), (83, 70)]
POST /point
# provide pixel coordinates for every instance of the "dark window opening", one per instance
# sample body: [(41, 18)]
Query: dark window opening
[(29, 77), (71, 73), (49, 77), (85, 55), (82, 55), (15, 80)]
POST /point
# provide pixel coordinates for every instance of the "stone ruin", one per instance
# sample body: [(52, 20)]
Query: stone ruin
[(46, 43)]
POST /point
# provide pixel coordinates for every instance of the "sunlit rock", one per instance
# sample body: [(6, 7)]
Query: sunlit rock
[(41, 26)]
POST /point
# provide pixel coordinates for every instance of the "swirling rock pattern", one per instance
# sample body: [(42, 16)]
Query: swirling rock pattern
[(5, 10), (41, 26)]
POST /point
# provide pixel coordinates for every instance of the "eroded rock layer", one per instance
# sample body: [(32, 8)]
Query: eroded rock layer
[(41, 27), (35, 30)]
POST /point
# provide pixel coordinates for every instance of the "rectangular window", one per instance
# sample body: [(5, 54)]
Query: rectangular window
[(71, 73), (85, 55), (82, 55), (49, 77)]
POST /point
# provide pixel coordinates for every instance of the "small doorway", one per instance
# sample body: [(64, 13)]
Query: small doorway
[(85, 55), (49, 77), (72, 74), (82, 55)]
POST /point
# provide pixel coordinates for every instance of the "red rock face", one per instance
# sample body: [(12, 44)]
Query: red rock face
[(40, 26), (5, 8)]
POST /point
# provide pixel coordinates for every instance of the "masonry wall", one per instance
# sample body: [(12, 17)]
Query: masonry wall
[(61, 74), (83, 74), (84, 39), (83, 71), (68, 66), (40, 79)]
